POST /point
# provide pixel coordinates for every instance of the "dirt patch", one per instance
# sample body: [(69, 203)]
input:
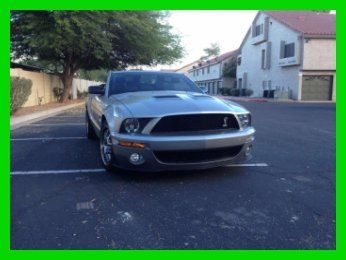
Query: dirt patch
[(29, 110)]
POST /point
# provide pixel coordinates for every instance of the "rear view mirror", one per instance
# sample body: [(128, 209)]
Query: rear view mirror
[(97, 90)]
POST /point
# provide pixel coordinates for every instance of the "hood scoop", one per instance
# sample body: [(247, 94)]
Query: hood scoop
[(202, 96), (166, 96)]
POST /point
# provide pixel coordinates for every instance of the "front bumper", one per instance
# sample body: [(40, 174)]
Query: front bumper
[(178, 143)]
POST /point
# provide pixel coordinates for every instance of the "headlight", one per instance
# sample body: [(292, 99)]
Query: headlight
[(245, 120), (131, 125)]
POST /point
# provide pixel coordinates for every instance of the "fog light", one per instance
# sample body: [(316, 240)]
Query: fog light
[(136, 158), (248, 150)]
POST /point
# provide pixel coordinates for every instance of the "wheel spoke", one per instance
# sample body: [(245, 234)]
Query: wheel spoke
[(106, 146)]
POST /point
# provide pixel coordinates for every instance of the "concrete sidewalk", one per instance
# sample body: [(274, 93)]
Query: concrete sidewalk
[(273, 100), (20, 121), (244, 99)]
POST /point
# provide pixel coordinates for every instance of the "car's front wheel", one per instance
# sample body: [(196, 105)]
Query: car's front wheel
[(106, 144)]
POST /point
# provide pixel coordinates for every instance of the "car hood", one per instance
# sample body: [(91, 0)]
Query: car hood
[(160, 103)]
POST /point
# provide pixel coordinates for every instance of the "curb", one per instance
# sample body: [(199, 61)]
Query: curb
[(245, 99), (20, 121)]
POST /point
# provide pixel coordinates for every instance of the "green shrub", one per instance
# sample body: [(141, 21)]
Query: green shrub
[(248, 92), (224, 91), (82, 94), (234, 92), (57, 91), (20, 91)]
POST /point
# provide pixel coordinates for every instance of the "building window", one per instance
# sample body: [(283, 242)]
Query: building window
[(289, 50), (239, 61), (197, 72), (194, 73), (203, 71), (258, 30), (208, 69), (269, 84), (264, 84), (263, 59), (240, 83)]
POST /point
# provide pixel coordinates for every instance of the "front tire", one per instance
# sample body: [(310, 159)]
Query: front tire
[(106, 145)]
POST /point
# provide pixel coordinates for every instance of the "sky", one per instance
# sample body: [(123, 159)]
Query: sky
[(198, 29)]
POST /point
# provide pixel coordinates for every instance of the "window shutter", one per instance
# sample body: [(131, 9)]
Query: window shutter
[(268, 55), (266, 27), (253, 30), (263, 57), (282, 49), (244, 80)]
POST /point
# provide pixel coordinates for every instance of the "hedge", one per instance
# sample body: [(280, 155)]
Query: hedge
[(20, 91)]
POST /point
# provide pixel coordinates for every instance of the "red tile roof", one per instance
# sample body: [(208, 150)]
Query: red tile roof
[(307, 22), (187, 65), (219, 58)]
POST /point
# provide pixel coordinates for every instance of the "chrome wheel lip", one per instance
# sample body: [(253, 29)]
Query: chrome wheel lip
[(106, 147)]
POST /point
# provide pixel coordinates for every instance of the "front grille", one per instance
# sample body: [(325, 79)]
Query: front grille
[(197, 156), (198, 122)]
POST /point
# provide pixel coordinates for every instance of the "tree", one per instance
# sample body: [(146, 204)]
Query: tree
[(230, 68), (97, 75), (74, 40), (213, 50)]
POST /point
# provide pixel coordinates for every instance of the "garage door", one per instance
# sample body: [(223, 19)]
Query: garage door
[(317, 87)]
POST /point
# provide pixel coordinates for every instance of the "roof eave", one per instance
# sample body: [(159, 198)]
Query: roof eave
[(319, 36)]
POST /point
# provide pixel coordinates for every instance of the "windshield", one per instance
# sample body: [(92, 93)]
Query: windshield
[(146, 81)]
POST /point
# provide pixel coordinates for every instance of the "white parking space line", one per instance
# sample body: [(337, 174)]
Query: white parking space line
[(48, 138), (101, 170), (248, 165), (68, 116), (58, 124), (71, 171)]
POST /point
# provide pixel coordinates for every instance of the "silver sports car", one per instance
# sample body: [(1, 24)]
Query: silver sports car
[(156, 121)]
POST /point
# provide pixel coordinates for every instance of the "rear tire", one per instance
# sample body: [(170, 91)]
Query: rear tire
[(90, 131), (106, 146)]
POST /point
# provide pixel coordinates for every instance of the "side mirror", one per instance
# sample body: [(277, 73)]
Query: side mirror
[(204, 90), (96, 90)]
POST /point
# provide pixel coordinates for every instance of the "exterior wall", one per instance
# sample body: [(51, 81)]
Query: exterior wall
[(228, 82), (319, 58), (185, 69), (43, 84), (282, 77), (214, 79), (215, 73), (319, 54)]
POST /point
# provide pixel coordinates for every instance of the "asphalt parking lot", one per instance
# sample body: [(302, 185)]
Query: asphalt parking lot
[(61, 198)]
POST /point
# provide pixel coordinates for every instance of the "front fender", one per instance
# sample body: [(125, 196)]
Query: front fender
[(114, 115)]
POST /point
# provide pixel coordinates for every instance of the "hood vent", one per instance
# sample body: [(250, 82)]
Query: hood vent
[(201, 96), (167, 96)]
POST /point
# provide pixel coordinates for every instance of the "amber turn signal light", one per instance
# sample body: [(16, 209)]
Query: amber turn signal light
[(132, 144)]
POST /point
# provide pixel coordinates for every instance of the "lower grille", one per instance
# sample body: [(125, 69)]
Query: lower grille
[(196, 156), (197, 122)]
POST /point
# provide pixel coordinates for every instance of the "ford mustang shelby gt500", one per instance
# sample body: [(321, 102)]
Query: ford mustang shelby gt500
[(156, 121)]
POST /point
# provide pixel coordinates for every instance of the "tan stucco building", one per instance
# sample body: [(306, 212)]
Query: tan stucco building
[(44, 82)]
